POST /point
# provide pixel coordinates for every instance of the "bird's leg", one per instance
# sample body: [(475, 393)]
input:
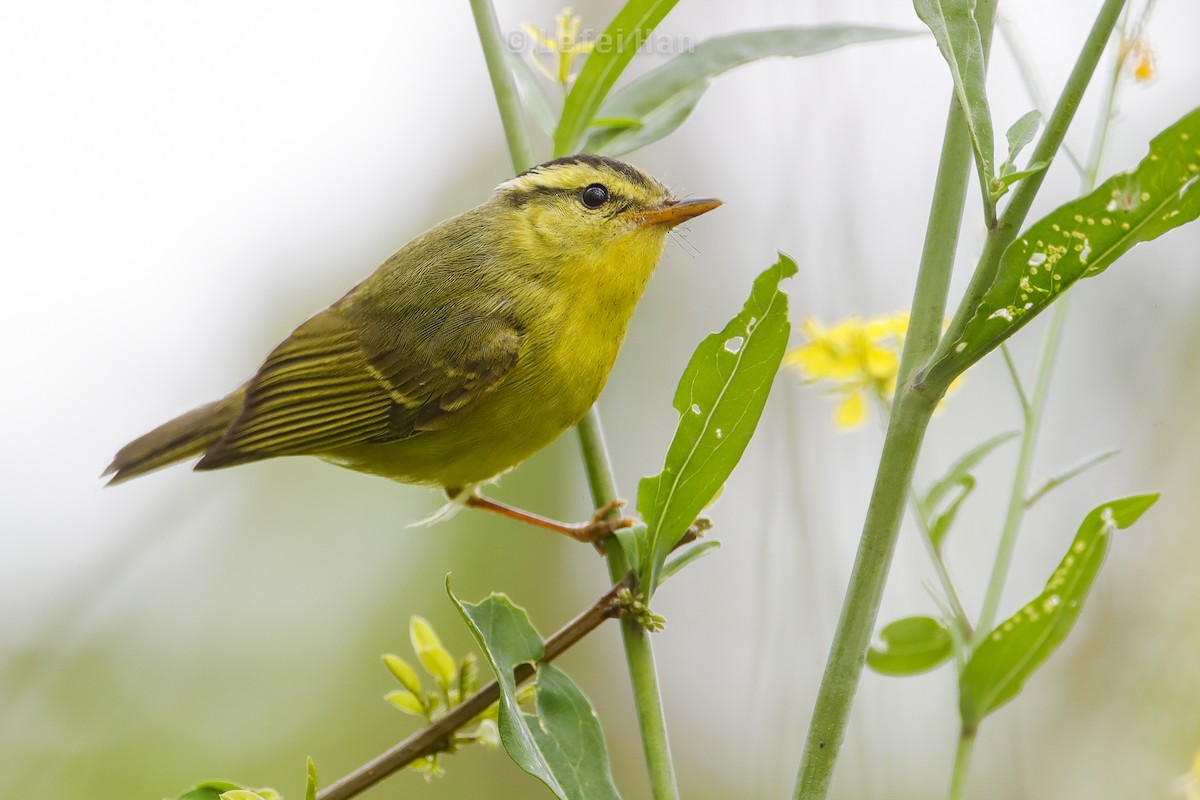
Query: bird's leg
[(595, 531)]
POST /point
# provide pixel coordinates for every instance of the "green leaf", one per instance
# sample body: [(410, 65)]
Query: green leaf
[(719, 399), (1082, 239), (533, 93), (957, 34), (562, 745), (941, 526), (958, 479), (208, 790), (310, 781), (662, 99), (1001, 184), (403, 672), (407, 702), (1019, 135), (435, 658), (910, 646), (632, 541), (962, 467), (696, 551), (628, 31), (1011, 653)]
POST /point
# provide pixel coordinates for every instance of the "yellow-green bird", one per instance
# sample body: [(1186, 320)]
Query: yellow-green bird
[(471, 348)]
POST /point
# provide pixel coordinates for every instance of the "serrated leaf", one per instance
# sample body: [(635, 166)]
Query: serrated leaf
[(1082, 239), (628, 31), (719, 399), (407, 702), (1011, 653), (910, 646), (663, 98), (403, 672), (957, 34), (962, 467), (562, 745), (310, 780), (433, 656), (533, 93)]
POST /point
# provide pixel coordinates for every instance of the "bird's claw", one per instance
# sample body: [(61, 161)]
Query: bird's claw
[(601, 526)]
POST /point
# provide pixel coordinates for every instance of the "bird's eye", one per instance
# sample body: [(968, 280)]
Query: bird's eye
[(594, 196)]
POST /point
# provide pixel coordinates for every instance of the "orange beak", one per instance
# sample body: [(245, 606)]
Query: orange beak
[(673, 212)]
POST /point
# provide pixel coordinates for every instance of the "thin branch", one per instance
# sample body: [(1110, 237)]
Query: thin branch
[(503, 85), (436, 736), (1000, 237), (912, 410)]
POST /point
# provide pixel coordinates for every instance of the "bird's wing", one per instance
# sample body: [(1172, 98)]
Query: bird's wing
[(334, 383)]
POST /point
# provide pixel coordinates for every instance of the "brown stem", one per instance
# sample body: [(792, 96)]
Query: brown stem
[(435, 737)]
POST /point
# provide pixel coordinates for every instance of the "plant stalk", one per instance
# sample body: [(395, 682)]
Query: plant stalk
[(1033, 408), (962, 763), (1001, 236), (1033, 414), (597, 464), (520, 147), (912, 409), (638, 653)]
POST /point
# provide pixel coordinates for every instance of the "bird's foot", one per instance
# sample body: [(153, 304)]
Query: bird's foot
[(594, 532)]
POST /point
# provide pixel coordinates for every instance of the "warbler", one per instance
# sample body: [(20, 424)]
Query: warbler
[(471, 348)]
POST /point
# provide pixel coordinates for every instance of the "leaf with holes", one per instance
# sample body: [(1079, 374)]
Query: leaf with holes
[(628, 31), (957, 34), (719, 399), (1082, 239), (910, 646), (1011, 653), (562, 744), (662, 99)]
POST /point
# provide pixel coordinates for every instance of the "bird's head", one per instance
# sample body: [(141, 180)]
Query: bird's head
[(596, 218)]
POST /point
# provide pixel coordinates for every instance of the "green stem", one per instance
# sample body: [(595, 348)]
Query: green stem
[(1033, 413), (1000, 237), (505, 88), (638, 653), (957, 609), (1033, 408), (861, 606), (597, 464), (912, 407), (962, 764)]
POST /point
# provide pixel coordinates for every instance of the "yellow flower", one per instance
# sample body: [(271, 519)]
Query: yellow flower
[(1141, 64), (860, 358), (565, 45)]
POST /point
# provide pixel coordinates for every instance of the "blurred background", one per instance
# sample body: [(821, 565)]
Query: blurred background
[(184, 183)]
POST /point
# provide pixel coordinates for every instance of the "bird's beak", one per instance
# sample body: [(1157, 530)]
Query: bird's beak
[(673, 212)]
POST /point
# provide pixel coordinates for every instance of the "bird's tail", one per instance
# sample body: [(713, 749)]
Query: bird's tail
[(182, 438)]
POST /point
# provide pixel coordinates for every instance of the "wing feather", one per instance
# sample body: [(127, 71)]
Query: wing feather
[(339, 381)]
